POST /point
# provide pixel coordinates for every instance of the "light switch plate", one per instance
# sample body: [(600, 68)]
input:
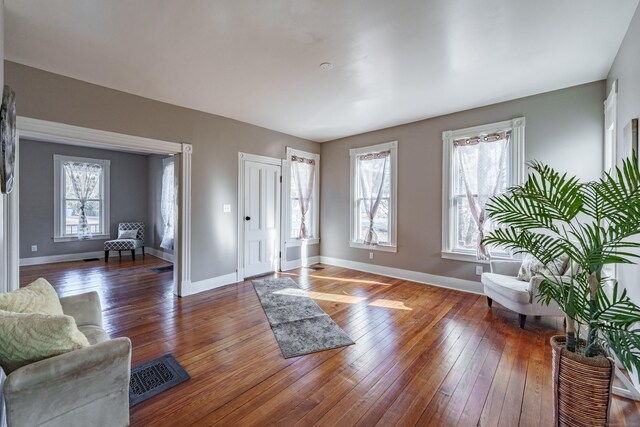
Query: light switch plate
[(34, 248), (479, 270), (226, 208)]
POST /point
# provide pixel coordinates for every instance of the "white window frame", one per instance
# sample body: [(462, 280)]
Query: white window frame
[(517, 167), (58, 192), (610, 149), (286, 198), (610, 157), (354, 242)]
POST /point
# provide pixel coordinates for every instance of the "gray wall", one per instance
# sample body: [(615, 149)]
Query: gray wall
[(216, 142), (626, 69), (564, 128), (128, 195), (154, 198)]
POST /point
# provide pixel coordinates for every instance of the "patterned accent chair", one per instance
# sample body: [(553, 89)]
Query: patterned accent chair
[(126, 244)]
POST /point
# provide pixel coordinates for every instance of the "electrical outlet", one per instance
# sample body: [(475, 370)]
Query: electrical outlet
[(226, 208), (479, 270), (34, 248), (370, 255)]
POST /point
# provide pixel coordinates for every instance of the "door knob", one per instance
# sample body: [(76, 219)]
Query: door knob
[(247, 218)]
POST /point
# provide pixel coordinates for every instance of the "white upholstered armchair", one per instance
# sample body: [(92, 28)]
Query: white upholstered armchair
[(85, 387), (503, 286)]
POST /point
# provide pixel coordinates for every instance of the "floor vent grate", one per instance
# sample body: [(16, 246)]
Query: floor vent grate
[(163, 269), (155, 377)]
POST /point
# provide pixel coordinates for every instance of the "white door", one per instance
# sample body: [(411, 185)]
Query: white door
[(261, 218)]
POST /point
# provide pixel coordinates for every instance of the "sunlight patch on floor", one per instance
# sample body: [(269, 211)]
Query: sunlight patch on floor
[(347, 299), (386, 303), (338, 279)]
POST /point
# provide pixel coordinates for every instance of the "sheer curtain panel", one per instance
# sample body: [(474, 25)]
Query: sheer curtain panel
[(84, 177), (371, 170), (481, 160), (167, 203), (304, 175)]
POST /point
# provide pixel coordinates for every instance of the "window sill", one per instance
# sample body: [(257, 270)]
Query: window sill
[(383, 248), (299, 242), (458, 256), (61, 239)]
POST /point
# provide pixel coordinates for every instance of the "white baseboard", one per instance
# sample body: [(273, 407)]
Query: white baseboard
[(297, 263), (413, 276), (84, 255), (60, 258), (228, 279), (208, 284), (159, 254)]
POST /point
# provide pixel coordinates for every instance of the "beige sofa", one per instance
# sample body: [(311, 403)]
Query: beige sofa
[(502, 285), (86, 387)]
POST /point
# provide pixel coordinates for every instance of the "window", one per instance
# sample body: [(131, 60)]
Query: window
[(301, 188), (81, 190), (373, 196), (479, 163)]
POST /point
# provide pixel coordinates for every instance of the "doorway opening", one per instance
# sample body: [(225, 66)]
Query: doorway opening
[(177, 236)]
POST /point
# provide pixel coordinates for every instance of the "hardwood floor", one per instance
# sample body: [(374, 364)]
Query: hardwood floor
[(423, 355)]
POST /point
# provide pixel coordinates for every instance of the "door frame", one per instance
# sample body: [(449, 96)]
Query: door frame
[(47, 131), (242, 157)]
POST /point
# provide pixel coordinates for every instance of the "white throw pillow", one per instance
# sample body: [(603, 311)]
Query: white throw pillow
[(29, 337), (37, 297), (127, 234), (531, 267)]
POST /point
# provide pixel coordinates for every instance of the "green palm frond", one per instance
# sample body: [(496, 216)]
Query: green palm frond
[(557, 195), (594, 204), (520, 212), (617, 309), (620, 191), (544, 247), (624, 343)]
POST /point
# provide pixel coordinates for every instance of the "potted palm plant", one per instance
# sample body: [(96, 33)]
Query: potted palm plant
[(594, 224)]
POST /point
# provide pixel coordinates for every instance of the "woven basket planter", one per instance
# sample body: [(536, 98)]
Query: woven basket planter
[(581, 387)]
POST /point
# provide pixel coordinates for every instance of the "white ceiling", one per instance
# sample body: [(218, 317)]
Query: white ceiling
[(258, 61)]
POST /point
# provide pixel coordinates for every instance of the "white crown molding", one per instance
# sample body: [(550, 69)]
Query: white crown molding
[(462, 285), (43, 130)]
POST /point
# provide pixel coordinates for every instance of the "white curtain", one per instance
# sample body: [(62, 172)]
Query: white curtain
[(167, 203), (372, 170), (481, 159), (84, 177), (304, 174)]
